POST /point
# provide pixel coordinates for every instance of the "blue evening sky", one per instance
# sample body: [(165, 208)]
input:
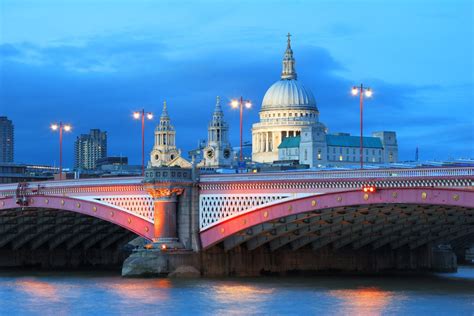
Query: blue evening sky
[(92, 63)]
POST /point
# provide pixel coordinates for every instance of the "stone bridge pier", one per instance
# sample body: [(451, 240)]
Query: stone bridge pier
[(173, 192)]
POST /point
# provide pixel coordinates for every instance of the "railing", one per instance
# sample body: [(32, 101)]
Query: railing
[(75, 183), (343, 174)]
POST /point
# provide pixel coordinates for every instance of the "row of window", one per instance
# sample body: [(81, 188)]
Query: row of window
[(289, 115), (374, 151)]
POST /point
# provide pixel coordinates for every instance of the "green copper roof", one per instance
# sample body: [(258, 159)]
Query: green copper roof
[(353, 141), (290, 142)]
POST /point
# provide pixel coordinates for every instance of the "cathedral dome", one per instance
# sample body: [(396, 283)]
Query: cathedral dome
[(288, 94)]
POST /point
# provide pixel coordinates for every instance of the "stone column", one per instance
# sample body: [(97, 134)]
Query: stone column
[(165, 205), (257, 142)]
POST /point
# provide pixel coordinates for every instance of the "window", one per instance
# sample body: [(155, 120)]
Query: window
[(340, 157), (319, 154), (305, 154)]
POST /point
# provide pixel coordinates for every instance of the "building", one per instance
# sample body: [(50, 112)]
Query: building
[(217, 153), (6, 140), (287, 108), (112, 161), (289, 129), (89, 148), (14, 172), (318, 149), (165, 152)]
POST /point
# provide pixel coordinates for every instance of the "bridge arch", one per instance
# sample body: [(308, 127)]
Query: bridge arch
[(129, 221), (395, 216)]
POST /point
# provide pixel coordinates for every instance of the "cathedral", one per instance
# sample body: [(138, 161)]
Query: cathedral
[(289, 129)]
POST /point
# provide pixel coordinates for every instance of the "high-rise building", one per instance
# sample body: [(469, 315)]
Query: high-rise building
[(6, 139), (88, 148)]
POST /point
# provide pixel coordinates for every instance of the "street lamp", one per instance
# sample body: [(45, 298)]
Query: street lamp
[(236, 104), (66, 128), (137, 115), (368, 93)]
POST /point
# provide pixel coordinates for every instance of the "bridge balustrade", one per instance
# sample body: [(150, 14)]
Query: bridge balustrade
[(346, 174)]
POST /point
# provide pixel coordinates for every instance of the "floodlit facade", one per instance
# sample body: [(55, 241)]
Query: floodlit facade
[(218, 151), (165, 152), (289, 129)]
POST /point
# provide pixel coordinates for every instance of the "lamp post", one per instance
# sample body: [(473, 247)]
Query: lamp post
[(141, 115), (66, 128), (236, 104), (368, 93)]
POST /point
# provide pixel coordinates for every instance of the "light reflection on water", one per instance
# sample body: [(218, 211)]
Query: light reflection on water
[(101, 294), (363, 301)]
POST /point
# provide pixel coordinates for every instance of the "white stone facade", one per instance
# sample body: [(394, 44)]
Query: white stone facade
[(289, 110), (218, 151), (164, 150)]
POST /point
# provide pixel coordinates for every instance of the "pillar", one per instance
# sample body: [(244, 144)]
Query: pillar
[(165, 218), (165, 206)]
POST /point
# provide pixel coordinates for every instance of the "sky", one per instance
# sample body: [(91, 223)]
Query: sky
[(92, 63)]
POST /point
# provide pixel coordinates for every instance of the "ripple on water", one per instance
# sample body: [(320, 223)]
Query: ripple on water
[(99, 294)]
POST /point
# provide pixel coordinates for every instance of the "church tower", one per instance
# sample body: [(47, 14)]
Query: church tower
[(218, 152), (164, 151)]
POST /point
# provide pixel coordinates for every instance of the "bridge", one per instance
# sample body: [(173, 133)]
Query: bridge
[(251, 212)]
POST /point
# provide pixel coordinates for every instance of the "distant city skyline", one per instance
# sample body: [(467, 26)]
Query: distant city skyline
[(66, 62)]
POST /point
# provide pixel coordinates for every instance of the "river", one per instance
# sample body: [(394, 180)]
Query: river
[(102, 293)]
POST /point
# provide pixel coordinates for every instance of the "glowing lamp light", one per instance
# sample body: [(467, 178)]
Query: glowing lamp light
[(355, 91), (67, 128), (369, 189), (248, 105), (54, 127), (136, 115), (149, 116), (163, 247), (234, 104), (368, 93)]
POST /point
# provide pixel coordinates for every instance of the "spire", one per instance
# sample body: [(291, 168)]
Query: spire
[(218, 105), (164, 114), (288, 62)]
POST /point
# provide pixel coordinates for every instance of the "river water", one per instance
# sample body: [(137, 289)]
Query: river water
[(100, 293)]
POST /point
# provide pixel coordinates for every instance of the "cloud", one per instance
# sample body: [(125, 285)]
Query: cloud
[(98, 82)]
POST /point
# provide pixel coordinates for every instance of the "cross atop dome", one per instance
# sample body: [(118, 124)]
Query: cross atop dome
[(289, 71)]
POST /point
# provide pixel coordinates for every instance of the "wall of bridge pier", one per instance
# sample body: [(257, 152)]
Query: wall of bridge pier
[(242, 262)]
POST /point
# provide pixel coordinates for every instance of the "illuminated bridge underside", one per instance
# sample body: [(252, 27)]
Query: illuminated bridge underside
[(388, 218), (52, 221), (36, 229)]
